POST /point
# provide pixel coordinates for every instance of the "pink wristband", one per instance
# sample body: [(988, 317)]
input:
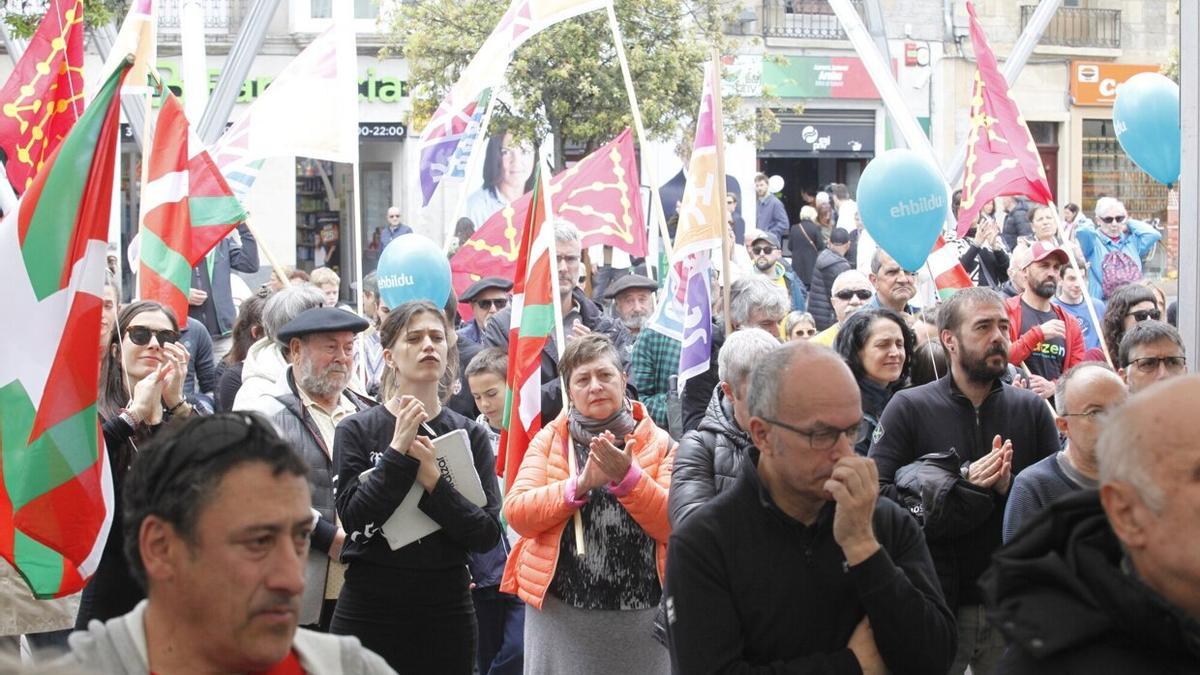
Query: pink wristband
[(628, 482), (569, 494)]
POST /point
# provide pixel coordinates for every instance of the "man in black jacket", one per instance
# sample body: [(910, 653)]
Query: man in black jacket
[(799, 567), (580, 316), (211, 295), (1109, 582), (997, 429), (830, 264), (1016, 221)]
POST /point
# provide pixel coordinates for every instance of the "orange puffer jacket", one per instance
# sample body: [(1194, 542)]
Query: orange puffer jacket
[(537, 509)]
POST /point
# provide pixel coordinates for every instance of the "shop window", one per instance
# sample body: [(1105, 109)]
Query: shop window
[(1107, 171)]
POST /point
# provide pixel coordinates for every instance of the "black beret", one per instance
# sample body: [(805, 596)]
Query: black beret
[(483, 285), (627, 282), (322, 320)]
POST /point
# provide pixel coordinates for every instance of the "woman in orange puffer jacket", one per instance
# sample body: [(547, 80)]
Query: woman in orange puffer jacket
[(592, 610)]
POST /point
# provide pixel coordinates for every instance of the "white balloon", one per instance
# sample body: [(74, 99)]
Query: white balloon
[(775, 183)]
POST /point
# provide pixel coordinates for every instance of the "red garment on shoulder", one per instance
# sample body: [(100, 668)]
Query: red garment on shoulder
[(290, 665)]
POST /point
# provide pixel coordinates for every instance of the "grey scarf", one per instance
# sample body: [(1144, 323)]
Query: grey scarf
[(584, 429)]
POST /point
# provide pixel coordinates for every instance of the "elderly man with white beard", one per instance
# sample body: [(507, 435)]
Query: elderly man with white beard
[(632, 298), (308, 401)]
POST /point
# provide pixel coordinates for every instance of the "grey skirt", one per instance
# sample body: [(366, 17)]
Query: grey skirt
[(562, 639)]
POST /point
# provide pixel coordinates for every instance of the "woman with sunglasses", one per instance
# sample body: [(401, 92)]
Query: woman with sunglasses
[(412, 605), (141, 388), (1128, 306), (1114, 247), (878, 346), (799, 326)]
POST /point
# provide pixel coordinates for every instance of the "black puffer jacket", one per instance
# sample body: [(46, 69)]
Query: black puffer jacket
[(829, 266), (1064, 596), (708, 459)]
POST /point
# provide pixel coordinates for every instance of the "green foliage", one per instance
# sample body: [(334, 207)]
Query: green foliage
[(1171, 67), (23, 16), (567, 80)]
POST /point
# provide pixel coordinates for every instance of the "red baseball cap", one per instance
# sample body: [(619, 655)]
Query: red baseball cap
[(1041, 250)]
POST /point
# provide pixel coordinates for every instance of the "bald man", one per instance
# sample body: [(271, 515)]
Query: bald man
[(799, 567), (852, 290), (1082, 396), (1109, 582)]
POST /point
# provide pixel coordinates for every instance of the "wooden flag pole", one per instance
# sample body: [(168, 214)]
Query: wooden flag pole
[(1087, 294), (719, 131), (648, 170), (543, 189), (266, 251)]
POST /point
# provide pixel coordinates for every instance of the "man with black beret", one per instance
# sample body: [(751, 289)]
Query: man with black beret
[(307, 403), (487, 297), (632, 298)]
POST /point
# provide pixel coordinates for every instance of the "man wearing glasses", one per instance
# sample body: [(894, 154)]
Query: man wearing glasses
[(487, 297), (1149, 352), (766, 254), (394, 228), (1114, 247), (997, 430), (852, 291), (1083, 394), (850, 586)]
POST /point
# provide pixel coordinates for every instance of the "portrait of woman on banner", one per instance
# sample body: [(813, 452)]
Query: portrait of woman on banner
[(507, 174)]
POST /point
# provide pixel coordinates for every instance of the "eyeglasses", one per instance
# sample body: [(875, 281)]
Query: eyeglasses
[(824, 439), (1089, 415), (140, 336), (1150, 364), (499, 303), (809, 332), (1143, 314), (762, 250), (1109, 220), (862, 293)]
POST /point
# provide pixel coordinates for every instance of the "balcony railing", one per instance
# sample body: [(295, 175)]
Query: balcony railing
[(808, 19), (1079, 27), (218, 15)]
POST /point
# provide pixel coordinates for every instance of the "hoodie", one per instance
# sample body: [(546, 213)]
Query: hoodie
[(118, 647), (263, 367), (1068, 600)]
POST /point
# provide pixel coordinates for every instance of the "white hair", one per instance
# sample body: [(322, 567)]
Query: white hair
[(1124, 457), (741, 352), (756, 292), (1106, 205), (565, 232), (846, 277)]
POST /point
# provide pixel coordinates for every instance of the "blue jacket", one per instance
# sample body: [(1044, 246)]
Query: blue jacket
[(232, 253), (772, 217), (1136, 243), (797, 292)]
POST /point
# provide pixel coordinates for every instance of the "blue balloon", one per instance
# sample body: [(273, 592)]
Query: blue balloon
[(903, 202), (411, 267), (1146, 119)]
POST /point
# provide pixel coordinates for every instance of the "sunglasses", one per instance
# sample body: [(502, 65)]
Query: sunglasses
[(862, 293), (807, 333), (207, 438), (763, 250), (1143, 314), (140, 336), (1109, 220), (499, 303)]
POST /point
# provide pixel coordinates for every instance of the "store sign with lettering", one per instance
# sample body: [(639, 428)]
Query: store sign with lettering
[(372, 87), (817, 77), (1094, 83)]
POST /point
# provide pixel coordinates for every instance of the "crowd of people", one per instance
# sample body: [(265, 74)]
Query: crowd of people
[(864, 480)]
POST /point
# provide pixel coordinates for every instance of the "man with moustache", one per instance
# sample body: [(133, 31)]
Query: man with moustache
[(894, 285), (632, 298), (851, 292), (1045, 338), (217, 528), (766, 254), (996, 429), (487, 298), (308, 402)]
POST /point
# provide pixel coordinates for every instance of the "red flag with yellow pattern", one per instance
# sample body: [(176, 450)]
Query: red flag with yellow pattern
[(1001, 156), (44, 94)]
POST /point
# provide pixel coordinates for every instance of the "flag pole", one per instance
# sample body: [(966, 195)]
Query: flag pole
[(474, 157), (648, 168), (266, 251), (543, 188), (719, 129)]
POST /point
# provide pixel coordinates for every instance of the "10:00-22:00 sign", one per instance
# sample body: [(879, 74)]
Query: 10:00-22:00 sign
[(382, 130)]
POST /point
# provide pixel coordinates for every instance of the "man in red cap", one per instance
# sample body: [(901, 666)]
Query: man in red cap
[(1045, 338)]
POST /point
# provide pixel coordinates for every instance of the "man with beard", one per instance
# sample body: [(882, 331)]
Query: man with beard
[(772, 217), (997, 430), (308, 402), (1045, 338), (632, 298), (766, 253)]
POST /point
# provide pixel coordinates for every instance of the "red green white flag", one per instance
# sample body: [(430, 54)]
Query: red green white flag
[(533, 321), (56, 499), (187, 208), (948, 273)]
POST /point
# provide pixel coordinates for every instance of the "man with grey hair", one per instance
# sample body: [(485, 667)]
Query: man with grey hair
[(1082, 396), (709, 457), (580, 316), (267, 359), (1114, 247), (1149, 352), (754, 302), (799, 566), (1109, 582)]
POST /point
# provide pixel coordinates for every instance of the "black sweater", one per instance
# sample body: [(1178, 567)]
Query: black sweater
[(750, 590), (364, 504), (937, 416)]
